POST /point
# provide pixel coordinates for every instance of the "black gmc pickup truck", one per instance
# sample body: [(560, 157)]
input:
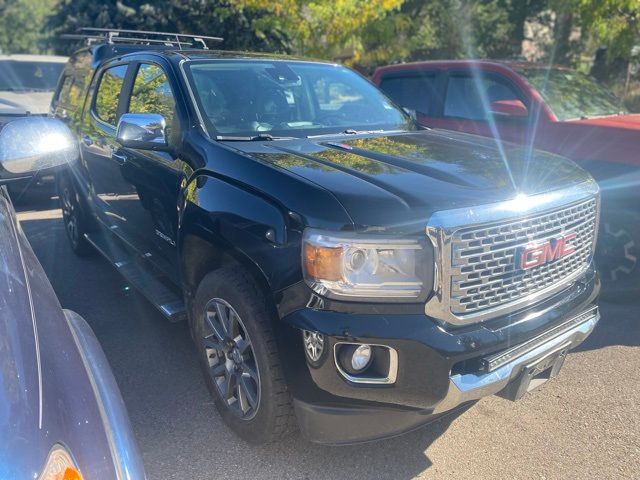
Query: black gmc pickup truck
[(340, 268)]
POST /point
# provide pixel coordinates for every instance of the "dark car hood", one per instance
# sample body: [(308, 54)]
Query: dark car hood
[(401, 179)]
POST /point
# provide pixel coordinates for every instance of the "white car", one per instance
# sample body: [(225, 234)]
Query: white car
[(27, 83)]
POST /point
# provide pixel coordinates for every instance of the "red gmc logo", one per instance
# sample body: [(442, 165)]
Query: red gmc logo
[(548, 252)]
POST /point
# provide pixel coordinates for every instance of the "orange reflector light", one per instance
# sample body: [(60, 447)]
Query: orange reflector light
[(323, 262), (71, 474), (60, 466)]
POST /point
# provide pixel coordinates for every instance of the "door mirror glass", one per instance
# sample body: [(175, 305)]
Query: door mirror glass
[(142, 130), (29, 145), (509, 108)]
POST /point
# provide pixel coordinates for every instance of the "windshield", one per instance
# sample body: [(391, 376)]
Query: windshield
[(571, 95), (292, 99), (29, 76)]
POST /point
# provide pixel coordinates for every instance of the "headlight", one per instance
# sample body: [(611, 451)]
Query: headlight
[(60, 466), (358, 267)]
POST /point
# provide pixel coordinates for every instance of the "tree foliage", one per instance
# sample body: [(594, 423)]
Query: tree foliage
[(321, 28), (614, 24), (22, 25), (205, 17)]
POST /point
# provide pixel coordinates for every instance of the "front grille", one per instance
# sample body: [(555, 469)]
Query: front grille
[(484, 266)]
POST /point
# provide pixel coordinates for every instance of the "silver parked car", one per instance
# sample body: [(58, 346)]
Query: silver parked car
[(61, 413)]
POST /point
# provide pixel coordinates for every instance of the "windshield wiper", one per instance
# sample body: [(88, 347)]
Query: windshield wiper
[(254, 138), (351, 131)]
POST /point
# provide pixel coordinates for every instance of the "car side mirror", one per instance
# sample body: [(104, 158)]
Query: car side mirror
[(29, 145), (509, 108), (147, 131)]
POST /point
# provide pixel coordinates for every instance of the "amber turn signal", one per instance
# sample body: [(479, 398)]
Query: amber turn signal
[(323, 262)]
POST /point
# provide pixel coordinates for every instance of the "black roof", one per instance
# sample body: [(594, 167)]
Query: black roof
[(103, 52)]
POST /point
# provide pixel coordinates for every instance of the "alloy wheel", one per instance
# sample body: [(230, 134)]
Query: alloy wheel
[(231, 358), (69, 214)]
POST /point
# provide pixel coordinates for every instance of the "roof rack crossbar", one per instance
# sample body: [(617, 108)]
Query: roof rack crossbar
[(97, 38), (112, 35)]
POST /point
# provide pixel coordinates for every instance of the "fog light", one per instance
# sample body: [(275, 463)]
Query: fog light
[(361, 358)]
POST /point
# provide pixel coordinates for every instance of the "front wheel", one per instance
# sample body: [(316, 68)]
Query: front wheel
[(231, 325)]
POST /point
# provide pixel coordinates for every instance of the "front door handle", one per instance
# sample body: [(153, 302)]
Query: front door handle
[(87, 140), (119, 157)]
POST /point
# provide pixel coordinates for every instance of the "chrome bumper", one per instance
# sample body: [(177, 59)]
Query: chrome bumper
[(473, 386)]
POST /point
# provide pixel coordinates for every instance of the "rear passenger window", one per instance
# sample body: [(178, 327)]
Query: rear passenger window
[(415, 91), (108, 95), (469, 97), (152, 94)]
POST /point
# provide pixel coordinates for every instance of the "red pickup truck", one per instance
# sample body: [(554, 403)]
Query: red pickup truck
[(549, 108)]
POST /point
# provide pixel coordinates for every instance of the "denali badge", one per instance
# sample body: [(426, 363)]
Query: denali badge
[(552, 250)]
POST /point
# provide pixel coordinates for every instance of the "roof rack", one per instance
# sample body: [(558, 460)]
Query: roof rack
[(143, 37)]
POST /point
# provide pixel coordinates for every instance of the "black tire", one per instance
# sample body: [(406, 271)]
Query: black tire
[(76, 222), (618, 253), (235, 292)]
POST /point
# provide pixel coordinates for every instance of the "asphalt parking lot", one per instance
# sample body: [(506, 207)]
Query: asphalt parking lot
[(583, 424)]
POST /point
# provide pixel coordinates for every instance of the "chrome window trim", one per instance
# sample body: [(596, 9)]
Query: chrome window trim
[(444, 224), (392, 374)]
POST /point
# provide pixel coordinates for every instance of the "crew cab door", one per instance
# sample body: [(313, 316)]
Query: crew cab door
[(484, 103), (155, 177), (99, 148)]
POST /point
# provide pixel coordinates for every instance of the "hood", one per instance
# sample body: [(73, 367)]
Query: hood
[(19, 103), (622, 122), (397, 181), (614, 139)]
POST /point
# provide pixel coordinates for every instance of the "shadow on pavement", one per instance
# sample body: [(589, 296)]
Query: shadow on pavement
[(178, 428)]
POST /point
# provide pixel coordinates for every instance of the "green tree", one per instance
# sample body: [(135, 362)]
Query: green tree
[(449, 29), (614, 24), (204, 17), (22, 25), (321, 28)]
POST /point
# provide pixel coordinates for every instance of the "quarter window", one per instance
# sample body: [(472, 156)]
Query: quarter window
[(152, 93), (108, 95)]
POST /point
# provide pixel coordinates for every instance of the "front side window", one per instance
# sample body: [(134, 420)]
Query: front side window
[(288, 98), (474, 97), (412, 91), (571, 95), (152, 93), (108, 94)]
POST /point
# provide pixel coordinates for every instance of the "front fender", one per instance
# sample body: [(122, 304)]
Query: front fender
[(223, 219)]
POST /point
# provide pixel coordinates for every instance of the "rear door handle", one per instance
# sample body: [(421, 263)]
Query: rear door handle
[(87, 140)]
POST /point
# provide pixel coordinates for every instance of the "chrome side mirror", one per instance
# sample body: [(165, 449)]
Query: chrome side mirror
[(31, 144), (142, 130)]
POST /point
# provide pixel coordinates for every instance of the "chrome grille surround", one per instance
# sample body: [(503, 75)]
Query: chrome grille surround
[(476, 252)]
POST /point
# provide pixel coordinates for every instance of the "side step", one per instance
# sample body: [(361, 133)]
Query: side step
[(168, 302)]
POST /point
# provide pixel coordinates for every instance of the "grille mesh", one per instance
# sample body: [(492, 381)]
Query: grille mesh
[(484, 269)]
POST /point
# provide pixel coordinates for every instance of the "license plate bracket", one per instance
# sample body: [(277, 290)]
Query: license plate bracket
[(536, 373)]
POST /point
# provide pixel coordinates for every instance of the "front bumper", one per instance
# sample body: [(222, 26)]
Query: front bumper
[(439, 370)]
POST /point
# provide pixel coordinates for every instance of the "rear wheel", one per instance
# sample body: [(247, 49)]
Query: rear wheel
[(74, 219), (231, 325)]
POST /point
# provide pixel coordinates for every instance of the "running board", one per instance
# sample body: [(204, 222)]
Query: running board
[(168, 302)]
